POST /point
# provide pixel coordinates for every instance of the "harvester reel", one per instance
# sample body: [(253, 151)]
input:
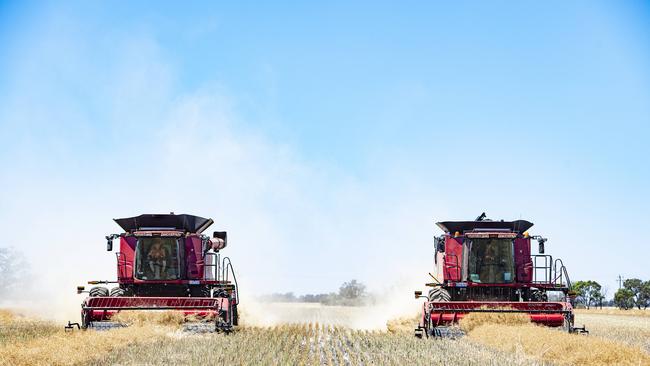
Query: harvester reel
[(98, 291)]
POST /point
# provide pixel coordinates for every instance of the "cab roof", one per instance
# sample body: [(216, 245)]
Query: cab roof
[(188, 223), (518, 226)]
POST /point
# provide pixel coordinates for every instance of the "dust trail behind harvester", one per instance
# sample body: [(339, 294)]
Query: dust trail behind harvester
[(392, 303)]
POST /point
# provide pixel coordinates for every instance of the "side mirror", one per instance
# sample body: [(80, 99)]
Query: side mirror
[(541, 242), (80, 289), (109, 243), (418, 294), (439, 243)]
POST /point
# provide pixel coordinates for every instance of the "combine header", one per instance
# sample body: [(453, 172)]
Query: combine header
[(487, 266), (166, 263)]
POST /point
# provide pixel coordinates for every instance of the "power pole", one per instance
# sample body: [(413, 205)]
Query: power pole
[(620, 282)]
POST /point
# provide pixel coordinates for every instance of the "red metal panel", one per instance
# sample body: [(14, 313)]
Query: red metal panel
[(551, 314), (102, 308), (453, 259), (193, 257), (126, 257), (175, 302), (523, 261)]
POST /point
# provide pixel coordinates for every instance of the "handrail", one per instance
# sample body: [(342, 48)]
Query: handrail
[(227, 269), (546, 267), (561, 274), (555, 273)]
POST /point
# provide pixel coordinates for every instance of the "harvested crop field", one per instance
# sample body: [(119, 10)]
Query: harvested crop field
[(160, 339), (633, 330)]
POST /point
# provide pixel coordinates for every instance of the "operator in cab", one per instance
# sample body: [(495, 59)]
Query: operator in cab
[(157, 257)]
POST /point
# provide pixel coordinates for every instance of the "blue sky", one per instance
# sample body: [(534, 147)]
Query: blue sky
[(327, 138)]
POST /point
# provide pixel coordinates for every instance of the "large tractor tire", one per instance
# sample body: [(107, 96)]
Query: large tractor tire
[(537, 295), (98, 291), (439, 294), (116, 291), (200, 291)]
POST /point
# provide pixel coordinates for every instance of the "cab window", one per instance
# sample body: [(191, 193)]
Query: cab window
[(157, 258), (491, 261)]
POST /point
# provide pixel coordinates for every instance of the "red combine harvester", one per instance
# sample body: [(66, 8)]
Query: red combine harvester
[(487, 266), (166, 263)]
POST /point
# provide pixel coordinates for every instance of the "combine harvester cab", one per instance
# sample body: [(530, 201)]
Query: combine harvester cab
[(166, 263), (487, 266)]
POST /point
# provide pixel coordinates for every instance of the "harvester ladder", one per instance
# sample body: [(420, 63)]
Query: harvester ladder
[(553, 271), (223, 271), (227, 271), (561, 274)]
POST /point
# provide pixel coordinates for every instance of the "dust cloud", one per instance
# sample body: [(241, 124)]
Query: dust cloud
[(290, 228), (393, 303), (292, 225)]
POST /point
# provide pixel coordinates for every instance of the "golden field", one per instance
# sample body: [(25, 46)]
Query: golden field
[(318, 337)]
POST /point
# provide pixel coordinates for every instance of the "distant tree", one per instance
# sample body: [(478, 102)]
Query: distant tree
[(351, 293), (352, 290), (603, 301), (330, 299), (598, 300), (624, 298), (644, 295), (308, 298), (588, 293), (635, 285), (289, 297)]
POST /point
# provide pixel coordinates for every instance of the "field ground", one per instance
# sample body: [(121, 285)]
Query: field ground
[(317, 335), (614, 311), (627, 329)]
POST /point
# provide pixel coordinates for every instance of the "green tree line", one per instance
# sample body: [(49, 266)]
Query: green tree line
[(635, 293)]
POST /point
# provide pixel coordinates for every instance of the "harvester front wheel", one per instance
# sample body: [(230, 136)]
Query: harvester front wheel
[(439, 294), (116, 291), (98, 291)]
